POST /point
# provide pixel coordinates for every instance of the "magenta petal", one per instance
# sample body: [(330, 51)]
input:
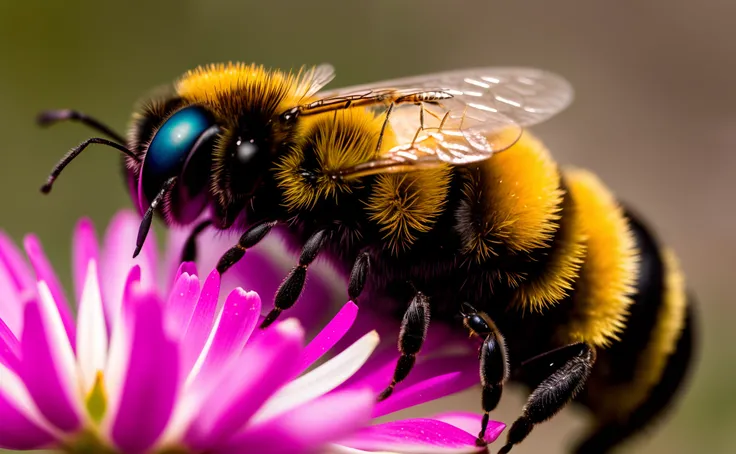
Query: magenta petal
[(17, 283), (307, 428), (252, 379), (424, 391), (470, 422), (201, 322), (186, 267), (9, 348), (85, 248), (45, 272), (11, 258), (44, 368), (182, 302), (17, 431), (234, 326), (329, 335), (117, 260), (151, 380), (415, 436), (11, 302), (380, 372)]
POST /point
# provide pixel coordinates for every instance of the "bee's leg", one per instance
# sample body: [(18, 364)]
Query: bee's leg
[(494, 371), (411, 338), (609, 433), (189, 252), (250, 238), (292, 287), (553, 393), (494, 364), (358, 276)]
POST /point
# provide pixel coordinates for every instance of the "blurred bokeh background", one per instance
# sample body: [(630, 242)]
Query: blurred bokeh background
[(655, 116)]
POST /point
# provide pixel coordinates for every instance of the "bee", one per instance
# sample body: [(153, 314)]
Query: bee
[(430, 193)]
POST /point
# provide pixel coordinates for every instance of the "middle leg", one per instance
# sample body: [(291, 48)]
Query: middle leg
[(413, 332), (494, 364)]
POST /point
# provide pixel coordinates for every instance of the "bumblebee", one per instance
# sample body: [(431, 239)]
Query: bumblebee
[(429, 192)]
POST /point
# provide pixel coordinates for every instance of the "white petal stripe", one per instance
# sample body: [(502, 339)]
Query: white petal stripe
[(61, 348), (12, 387), (91, 330), (321, 380)]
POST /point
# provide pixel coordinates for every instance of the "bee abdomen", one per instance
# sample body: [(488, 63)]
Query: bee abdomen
[(632, 368), (601, 296)]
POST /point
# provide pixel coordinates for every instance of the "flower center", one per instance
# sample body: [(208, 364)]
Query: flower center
[(87, 442), (97, 399)]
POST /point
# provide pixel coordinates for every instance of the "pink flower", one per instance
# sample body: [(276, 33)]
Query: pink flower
[(170, 364)]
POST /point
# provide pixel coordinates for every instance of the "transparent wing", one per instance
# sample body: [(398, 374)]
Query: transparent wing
[(455, 117), (310, 81), (527, 96)]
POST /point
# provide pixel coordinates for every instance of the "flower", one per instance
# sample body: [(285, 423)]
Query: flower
[(173, 366)]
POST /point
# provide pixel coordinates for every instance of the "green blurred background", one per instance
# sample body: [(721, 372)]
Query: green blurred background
[(654, 116)]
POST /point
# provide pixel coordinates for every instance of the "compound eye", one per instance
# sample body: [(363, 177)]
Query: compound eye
[(170, 151)]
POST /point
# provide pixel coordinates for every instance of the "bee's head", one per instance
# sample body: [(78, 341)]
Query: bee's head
[(175, 163), (244, 157)]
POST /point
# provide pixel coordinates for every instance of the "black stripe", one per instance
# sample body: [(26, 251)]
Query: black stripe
[(646, 305), (659, 399)]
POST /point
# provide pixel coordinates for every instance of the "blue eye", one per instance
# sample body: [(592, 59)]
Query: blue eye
[(173, 141), (171, 147)]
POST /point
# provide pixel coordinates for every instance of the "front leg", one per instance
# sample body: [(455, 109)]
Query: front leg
[(250, 238), (292, 287), (554, 392)]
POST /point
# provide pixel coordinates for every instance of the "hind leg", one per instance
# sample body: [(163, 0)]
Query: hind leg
[(554, 392), (608, 435)]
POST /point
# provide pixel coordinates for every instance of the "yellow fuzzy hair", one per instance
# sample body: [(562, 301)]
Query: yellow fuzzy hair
[(561, 267), (404, 205), (227, 88), (520, 190), (608, 275), (665, 334), (339, 140)]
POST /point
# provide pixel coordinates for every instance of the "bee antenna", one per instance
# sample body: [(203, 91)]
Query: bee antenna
[(74, 152), (50, 117), (148, 216)]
